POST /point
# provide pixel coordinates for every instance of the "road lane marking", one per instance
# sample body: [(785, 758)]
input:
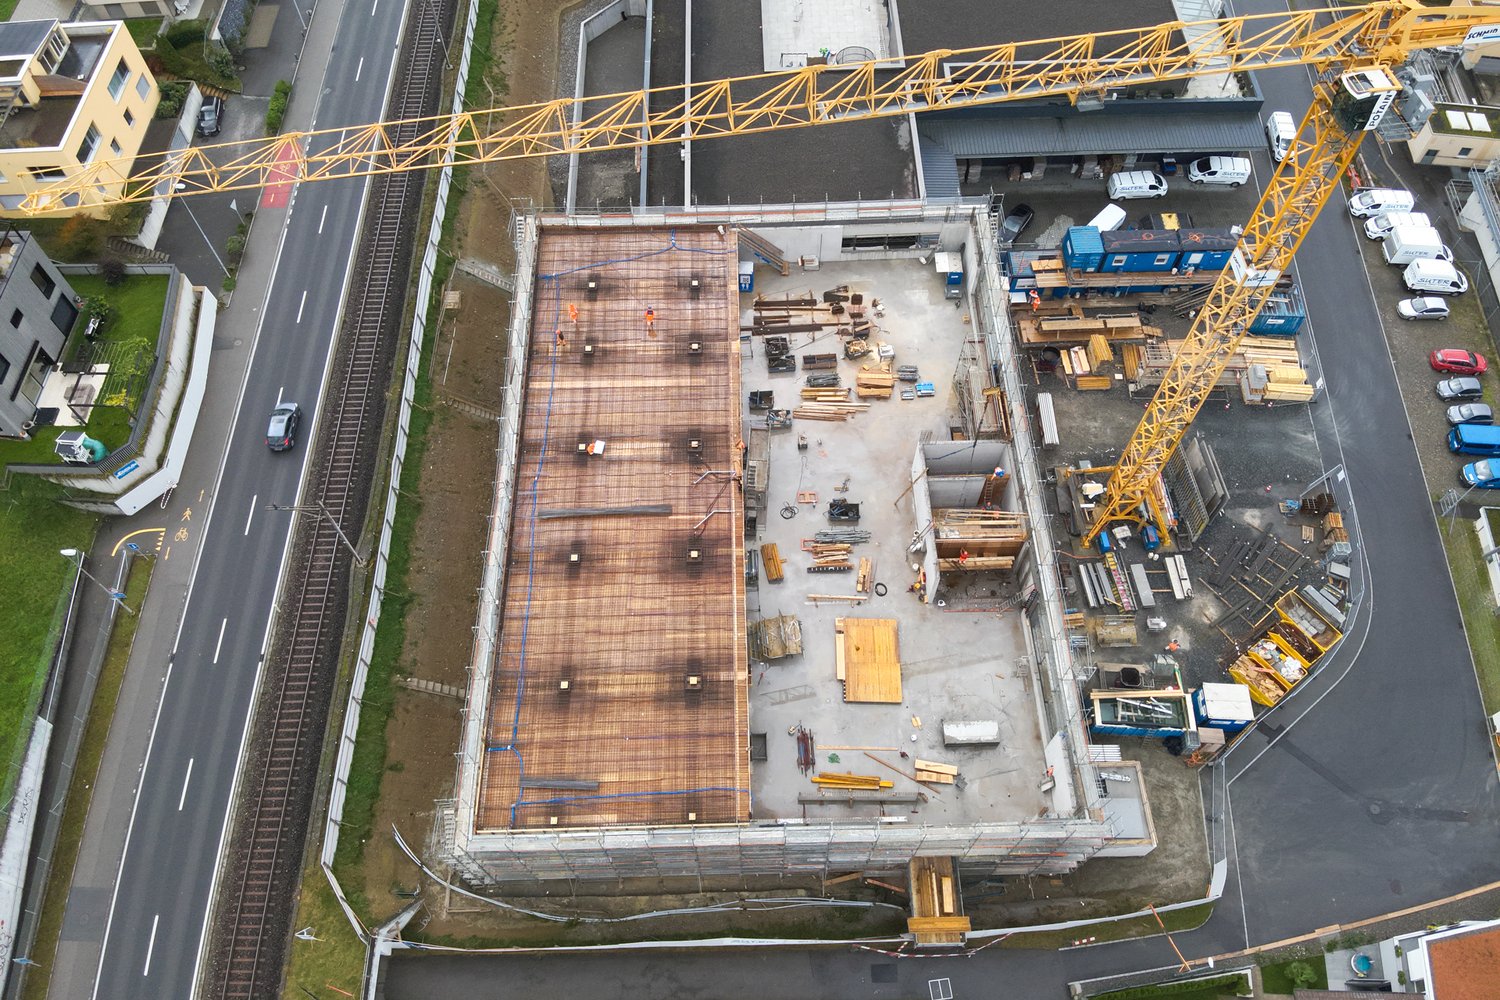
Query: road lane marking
[(302, 305), (359, 69), (373, 7), (185, 779), (278, 396), (321, 219), (151, 945), (220, 644), (251, 516)]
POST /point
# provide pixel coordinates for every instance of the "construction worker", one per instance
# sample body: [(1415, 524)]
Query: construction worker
[(1035, 298), (963, 557), (650, 320), (573, 314), (562, 342), (1173, 646)]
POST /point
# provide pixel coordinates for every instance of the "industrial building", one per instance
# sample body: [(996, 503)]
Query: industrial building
[(689, 661)]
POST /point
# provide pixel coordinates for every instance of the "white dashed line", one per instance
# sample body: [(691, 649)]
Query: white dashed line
[(220, 644), (251, 516), (185, 779), (151, 945), (302, 305)]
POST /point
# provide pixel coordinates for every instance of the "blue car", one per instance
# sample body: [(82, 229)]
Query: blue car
[(1483, 475)]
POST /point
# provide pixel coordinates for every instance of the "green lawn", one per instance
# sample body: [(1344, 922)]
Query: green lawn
[(1203, 989), (138, 305), (34, 582), (143, 30), (1113, 930), (1277, 977), (7, 8), (1473, 584)]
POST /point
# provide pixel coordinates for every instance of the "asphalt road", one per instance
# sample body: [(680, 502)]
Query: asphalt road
[(157, 916), (1373, 790)]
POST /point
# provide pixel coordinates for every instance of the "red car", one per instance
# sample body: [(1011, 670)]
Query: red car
[(1451, 359)]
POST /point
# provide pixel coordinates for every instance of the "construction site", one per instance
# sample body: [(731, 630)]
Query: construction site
[(770, 589)]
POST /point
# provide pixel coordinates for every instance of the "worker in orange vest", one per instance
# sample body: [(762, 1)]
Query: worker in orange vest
[(573, 314), (1035, 298), (650, 320)]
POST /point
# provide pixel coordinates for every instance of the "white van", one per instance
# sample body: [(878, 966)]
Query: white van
[(1408, 243), (1136, 184), (1379, 201), (1228, 171), (1380, 226), (1435, 277), (1281, 128), (1110, 217)]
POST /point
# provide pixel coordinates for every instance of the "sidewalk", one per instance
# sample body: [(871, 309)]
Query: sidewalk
[(73, 967)]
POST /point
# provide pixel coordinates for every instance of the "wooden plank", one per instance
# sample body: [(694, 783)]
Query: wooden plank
[(937, 924), (871, 661), (838, 649), (935, 777), (905, 774), (947, 898), (770, 559), (932, 765)]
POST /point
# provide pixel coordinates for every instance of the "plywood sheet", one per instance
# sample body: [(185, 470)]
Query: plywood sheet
[(872, 664)]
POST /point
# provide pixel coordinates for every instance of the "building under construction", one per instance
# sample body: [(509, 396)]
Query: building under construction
[(690, 659)]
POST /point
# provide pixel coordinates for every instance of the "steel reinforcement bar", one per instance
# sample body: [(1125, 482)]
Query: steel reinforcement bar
[(256, 897)]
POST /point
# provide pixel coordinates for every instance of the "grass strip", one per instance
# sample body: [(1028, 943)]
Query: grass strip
[(81, 786), (1472, 582), (1201, 989), (1113, 930)]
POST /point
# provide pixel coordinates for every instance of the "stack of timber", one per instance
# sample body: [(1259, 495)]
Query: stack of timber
[(1333, 531), (830, 558), (1054, 331), (856, 782), (935, 772), (828, 410), (825, 394), (874, 384), (866, 578), (962, 523), (770, 558)]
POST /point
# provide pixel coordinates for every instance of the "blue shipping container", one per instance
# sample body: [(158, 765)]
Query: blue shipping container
[(1205, 249), (1139, 250), (1082, 248), (1283, 314)]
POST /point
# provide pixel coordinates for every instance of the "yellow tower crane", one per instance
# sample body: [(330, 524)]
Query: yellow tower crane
[(1352, 51)]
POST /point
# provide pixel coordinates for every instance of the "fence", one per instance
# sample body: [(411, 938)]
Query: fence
[(381, 563)]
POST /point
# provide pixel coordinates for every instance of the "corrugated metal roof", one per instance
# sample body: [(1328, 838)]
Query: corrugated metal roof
[(939, 170), (1080, 133)]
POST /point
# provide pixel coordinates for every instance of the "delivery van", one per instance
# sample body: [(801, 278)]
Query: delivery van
[(1280, 130), (1136, 184), (1378, 201), (1475, 439), (1435, 277), (1225, 171), (1408, 243), (1110, 217), (1379, 227)]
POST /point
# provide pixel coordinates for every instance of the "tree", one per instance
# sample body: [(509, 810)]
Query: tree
[(112, 270), (1301, 974)]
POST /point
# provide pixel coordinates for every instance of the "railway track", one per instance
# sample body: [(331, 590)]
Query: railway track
[(256, 897)]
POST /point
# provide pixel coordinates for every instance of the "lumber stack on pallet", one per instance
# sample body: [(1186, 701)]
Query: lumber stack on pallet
[(865, 580), (854, 782), (825, 394), (830, 558), (874, 384), (1094, 382), (828, 410), (935, 771), (770, 560)]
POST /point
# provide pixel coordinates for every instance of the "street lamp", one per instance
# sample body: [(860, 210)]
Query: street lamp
[(118, 596), (321, 511)]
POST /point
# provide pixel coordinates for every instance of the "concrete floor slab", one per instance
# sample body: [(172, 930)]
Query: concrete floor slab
[(956, 665), (794, 31)]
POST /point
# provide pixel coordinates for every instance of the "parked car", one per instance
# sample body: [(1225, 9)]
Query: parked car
[(1452, 389), (1482, 475), (1457, 361), (1280, 130), (1014, 224), (1470, 413), (211, 116), (1226, 171), (282, 432), (1438, 277), (1422, 307)]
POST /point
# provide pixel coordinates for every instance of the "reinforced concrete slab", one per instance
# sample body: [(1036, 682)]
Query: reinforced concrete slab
[(956, 665)]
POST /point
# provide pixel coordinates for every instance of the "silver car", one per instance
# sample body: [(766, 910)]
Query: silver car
[(1470, 413), (1462, 387), (1422, 307)]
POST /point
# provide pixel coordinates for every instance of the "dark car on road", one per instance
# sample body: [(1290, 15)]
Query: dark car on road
[(1453, 389), (1014, 224), (282, 433), (1457, 361), (211, 116)]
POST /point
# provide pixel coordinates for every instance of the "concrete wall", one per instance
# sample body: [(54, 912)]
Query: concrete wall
[(826, 242), (182, 138)]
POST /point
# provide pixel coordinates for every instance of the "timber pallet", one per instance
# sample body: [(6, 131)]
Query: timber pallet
[(770, 558)]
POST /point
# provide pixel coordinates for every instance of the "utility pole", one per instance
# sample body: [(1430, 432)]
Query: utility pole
[(118, 596), (321, 511)]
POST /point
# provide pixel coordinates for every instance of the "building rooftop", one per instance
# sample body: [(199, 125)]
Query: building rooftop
[(21, 39), (961, 24), (1465, 966), (1466, 119), (619, 690), (45, 124)]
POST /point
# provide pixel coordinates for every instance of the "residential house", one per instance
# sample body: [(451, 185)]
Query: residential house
[(71, 94), (37, 310)]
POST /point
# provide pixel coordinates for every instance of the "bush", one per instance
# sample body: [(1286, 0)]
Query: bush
[(1301, 974), (276, 109), (80, 237), (235, 246), (173, 96), (112, 270), (183, 33), (220, 61), (93, 306)]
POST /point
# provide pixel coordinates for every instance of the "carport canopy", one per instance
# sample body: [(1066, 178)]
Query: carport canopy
[(1084, 133)]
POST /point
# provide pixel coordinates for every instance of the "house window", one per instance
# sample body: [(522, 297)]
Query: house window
[(129, 119), (89, 145), (4, 372), (114, 149), (142, 87), (37, 370), (44, 175), (1465, 150), (1117, 261), (15, 319), (118, 81), (43, 281), (64, 314)]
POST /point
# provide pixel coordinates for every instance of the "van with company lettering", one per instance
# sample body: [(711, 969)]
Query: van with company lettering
[(1408, 243), (1378, 201), (1379, 227), (1223, 171), (1136, 184), (1434, 277)]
